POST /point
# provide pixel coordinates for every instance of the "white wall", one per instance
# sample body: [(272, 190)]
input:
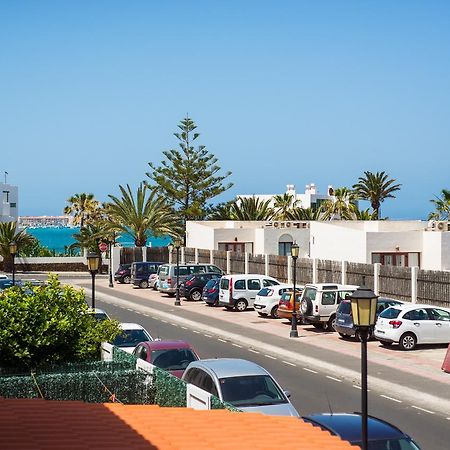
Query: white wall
[(199, 235), (432, 250), (409, 241)]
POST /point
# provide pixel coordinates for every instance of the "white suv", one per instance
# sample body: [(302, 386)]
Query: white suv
[(266, 301), (239, 291), (319, 303)]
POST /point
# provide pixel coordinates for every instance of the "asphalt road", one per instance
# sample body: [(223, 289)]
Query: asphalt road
[(311, 391)]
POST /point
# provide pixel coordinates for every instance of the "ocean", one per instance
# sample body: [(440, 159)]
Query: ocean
[(58, 239)]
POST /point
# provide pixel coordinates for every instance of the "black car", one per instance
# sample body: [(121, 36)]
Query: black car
[(123, 274), (210, 294), (192, 288), (381, 435), (140, 272)]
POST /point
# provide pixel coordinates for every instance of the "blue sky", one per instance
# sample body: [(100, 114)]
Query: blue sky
[(282, 92)]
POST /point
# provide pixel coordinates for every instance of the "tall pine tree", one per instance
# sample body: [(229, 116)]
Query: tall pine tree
[(188, 177)]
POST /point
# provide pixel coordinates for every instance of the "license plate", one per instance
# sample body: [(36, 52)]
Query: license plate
[(165, 285), (341, 320), (204, 297), (379, 331), (258, 307)]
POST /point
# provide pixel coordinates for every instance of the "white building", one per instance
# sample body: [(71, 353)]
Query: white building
[(311, 197), (399, 243), (9, 205)]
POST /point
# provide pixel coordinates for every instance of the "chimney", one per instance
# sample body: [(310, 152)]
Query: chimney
[(312, 188)]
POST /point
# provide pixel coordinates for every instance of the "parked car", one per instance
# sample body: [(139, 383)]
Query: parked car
[(192, 287), (286, 305), (99, 314), (344, 319), (153, 280), (381, 434), (141, 271), (5, 283), (319, 303), (267, 299), (239, 291), (412, 324), (132, 334), (210, 294), (168, 274), (241, 383), (123, 274), (173, 356), (3, 276)]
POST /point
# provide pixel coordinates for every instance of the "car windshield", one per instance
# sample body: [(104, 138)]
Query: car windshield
[(254, 390), (390, 313), (264, 292), (163, 270), (212, 283), (173, 359), (100, 316), (131, 338), (392, 444), (310, 293)]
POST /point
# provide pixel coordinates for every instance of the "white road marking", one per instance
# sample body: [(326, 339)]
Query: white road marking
[(334, 379), (184, 328), (165, 321), (196, 332), (221, 340), (174, 324), (422, 409), (270, 356), (309, 370), (391, 398), (357, 387), (130, 309), (207, 335), (289, 363), (253, 351), (236, 345)]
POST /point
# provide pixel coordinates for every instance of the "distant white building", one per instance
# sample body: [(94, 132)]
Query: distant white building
[(397, 243), (9, 205), (310, 198)]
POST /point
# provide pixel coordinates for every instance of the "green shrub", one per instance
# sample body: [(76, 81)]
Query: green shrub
[(49, 324)]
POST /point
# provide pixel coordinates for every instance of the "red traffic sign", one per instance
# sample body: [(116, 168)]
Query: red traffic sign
[(103, 246)]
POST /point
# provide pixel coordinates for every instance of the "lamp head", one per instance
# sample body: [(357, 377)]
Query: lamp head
[(364, 307), (12, 248), (170, 247), (177, 242), (295, 250), (93, 261)]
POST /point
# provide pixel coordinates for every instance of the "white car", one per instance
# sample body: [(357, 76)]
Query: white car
[(266, 300), (99, 314), (409, 325), (132, 335), (153, 281)]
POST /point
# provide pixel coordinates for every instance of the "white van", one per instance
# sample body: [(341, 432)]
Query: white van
[(239, 291)]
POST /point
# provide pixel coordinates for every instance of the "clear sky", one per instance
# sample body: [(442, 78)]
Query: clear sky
[(282, 92)]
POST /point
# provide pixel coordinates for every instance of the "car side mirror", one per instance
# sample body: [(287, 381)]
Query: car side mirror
[(287, 393)]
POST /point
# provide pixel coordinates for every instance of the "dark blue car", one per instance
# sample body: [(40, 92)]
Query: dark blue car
[(210, 292), (381, 435)]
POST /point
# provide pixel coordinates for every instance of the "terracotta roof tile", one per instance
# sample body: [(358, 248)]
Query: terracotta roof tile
[(50, 425)]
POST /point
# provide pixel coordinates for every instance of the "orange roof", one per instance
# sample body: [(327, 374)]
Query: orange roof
[(41, 424)]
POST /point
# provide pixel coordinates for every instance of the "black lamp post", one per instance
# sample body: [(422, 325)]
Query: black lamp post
[(13, 251), (93, 261), (294, 254), (364, 308), (110, 243)]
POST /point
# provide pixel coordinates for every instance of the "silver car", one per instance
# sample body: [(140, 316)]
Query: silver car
[(241, 383)]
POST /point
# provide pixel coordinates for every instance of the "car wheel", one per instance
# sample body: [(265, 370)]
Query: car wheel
[(143, 284), (241, 305), (318, 326), (262, 314), (196, 295), (342, 335), (274, 312), (126, 279), (386, 343), (306, 306), (329, 326), (407, 341), (229, 308)]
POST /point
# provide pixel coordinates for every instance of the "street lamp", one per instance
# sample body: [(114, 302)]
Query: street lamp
[(93, 261), (13, 251), (294, 253), (110, 244), (364, 308)]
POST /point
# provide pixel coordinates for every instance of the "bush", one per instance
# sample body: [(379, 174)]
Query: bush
[(49, 324)]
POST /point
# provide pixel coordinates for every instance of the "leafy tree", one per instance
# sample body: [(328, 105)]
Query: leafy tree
[(188, 177), (221, 211), (442, 206), (342, 206), (140, 215), (34, 248), (283, 205), (251, 208), (376, 187), (8, 234), (83, 207), (49, 324)]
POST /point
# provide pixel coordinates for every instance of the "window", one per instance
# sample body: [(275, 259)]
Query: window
[(285, 245), (207, 384), (267, 282), (197, 269), (416, 314), (253, 285), (192, 375), (344, 295), (173, 359), (328, 298), (239, 284), (390, 313), (439, 314), (397, 259), (214, 269), (310, 293), (130, 338), (183, 270), (224, 284)]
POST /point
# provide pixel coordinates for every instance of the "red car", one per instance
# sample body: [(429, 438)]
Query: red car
[(173, 356)]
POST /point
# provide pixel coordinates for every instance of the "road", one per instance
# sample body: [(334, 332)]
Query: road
[(312, 391)]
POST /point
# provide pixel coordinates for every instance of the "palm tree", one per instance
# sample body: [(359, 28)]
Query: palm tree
[(8, 234), (283, 204), (376, 187), (299, 213), (442, 205), (342, 206), (221, 211), (251, 208), (364, 215), (88, 238), (141, 215), (83, 207)]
